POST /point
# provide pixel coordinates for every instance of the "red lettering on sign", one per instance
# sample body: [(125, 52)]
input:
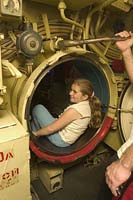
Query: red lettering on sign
[(11, 174), (1, 156), (15, 172), (8, 155), (6, 175), (5, 156)]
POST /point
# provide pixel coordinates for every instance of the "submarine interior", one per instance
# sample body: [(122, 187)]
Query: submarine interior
[(44, 46)]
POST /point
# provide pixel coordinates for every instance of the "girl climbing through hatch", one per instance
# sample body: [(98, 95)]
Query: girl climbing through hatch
[(84, 111)]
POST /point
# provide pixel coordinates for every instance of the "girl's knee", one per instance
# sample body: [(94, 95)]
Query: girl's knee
[(39, 111), (37, 108)]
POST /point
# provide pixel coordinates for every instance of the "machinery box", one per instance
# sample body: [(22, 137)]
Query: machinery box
[(51, 177), (14, 159)]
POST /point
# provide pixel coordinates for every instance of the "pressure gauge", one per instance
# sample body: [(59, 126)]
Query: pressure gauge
[(11, 7)]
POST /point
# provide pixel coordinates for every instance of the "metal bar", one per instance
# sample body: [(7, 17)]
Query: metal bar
[(62, 44)]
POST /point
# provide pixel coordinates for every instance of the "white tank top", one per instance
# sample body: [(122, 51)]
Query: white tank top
[(77, 127)]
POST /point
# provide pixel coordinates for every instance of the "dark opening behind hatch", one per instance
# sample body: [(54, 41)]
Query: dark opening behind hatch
[(53, 93)]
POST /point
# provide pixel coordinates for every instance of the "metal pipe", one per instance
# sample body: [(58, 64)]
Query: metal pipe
[(62, 44), (62, 7), (46, 25), (94, 10)]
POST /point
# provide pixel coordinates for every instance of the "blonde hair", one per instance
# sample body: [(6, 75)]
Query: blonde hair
[(86, 88)]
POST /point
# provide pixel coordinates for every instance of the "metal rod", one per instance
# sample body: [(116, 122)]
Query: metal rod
[(62, 44)]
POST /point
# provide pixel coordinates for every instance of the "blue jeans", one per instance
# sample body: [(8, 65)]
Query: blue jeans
[(41, 118)]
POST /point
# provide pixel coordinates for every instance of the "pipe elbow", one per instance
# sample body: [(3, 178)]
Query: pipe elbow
[(61, 5)]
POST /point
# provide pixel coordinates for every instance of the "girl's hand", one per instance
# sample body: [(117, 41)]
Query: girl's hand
[(34, 133)]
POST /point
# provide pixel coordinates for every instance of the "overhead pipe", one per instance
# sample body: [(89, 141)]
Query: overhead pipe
[(87, 27), (99, 7), (62, 7), (100, 22)]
